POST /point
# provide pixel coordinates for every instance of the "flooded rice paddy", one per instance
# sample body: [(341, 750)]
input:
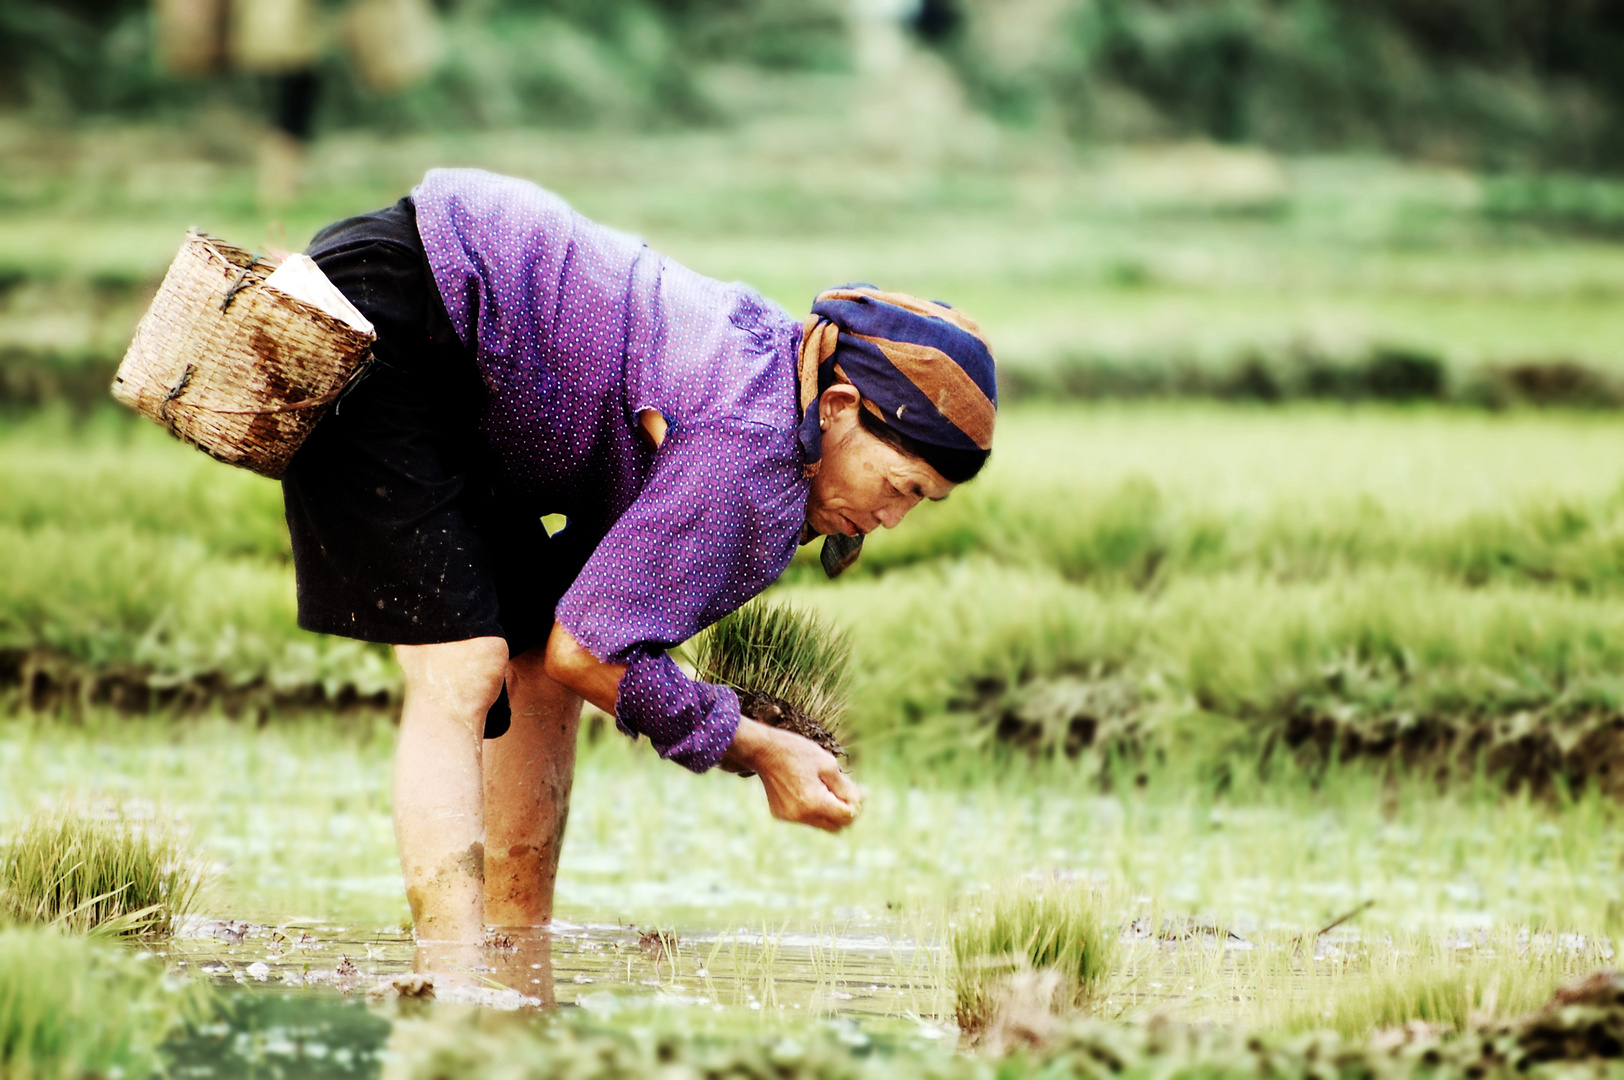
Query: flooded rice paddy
[(679, 894), (598, 967), (293, 825)]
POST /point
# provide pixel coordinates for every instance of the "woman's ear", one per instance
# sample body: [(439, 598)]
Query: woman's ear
[(838, 403)]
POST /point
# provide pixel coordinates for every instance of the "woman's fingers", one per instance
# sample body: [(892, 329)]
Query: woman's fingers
[(843, 787), (805, 799), (831, 813), (804, 784)]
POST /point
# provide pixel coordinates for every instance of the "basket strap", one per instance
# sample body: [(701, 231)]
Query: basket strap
[(236, 286)]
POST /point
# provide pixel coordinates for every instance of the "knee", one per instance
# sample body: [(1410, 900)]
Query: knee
[(463, 677)]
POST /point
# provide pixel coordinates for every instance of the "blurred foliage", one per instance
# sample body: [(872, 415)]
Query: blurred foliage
[(1490, 82), (75, 1007), (1496, 83), (1579, 204), (507, 61)]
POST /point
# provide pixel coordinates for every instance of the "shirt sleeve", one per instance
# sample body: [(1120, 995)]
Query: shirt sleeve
[(716, 522)]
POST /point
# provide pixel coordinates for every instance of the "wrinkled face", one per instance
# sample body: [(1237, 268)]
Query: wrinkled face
[(864, 483)]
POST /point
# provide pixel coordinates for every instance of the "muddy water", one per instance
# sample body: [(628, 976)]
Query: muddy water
[(293, 821), (595, 966), (318, 1000)]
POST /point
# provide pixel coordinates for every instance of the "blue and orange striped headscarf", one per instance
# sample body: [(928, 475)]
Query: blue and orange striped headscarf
[(922, 367)]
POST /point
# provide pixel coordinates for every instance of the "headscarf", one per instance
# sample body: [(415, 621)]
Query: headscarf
[(922, 367)]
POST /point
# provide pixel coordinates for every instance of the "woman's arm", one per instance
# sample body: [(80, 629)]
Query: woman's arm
[(569, 664), (803, 781)]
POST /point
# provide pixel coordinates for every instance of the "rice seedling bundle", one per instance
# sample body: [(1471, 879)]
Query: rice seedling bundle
[(105, 874), (788, 666), (1049, 928)]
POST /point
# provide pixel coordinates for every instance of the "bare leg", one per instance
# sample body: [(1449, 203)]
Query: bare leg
[(528, 773), (438, 799)]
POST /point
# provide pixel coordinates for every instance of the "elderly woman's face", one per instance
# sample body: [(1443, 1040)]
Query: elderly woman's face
[(863, 483)]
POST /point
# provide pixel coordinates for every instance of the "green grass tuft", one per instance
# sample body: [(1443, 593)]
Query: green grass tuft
[(72, 1007), (1043, 927), (1423, 981), (782, 651), (103, 874)]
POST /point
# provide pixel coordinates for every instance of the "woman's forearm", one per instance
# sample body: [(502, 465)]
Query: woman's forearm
[(571, 665)]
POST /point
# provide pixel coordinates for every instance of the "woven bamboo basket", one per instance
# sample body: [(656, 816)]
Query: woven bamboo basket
[(239, 371)]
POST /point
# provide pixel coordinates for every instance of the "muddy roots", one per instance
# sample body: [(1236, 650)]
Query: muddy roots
[(786, 717)]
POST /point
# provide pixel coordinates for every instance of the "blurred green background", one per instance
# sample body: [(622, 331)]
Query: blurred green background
[(1492, 83)]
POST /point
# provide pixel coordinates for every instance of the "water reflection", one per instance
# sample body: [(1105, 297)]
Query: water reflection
[(512, 970), (320, 1001), (293, 1035)]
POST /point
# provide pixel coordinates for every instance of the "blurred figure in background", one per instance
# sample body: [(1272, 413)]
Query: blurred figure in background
[(392, 44)]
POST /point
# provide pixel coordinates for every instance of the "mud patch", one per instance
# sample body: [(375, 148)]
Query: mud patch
[(1355, 712), (1303, 372), (472, 861), (1345, 717), (1583, 1022), (1295, 371), (44, 681), (1528, 750), (1059, 715)]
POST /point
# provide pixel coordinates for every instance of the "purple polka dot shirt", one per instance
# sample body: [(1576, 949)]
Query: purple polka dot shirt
[(577, 329)]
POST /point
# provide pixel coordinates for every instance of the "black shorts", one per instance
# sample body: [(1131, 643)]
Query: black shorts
[(402, 531)]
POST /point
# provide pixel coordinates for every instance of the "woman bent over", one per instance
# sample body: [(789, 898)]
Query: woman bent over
[(530, 362)]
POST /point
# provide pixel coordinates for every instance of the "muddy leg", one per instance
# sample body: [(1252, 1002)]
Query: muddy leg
[(528, 773), (438, 796)]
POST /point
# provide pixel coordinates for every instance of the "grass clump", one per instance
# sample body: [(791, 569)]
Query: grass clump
[(1426, 982), (788, 665), (90, 873), (72, 1007), (1053, 930)]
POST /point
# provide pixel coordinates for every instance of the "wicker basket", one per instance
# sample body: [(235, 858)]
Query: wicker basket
[(239, 371)]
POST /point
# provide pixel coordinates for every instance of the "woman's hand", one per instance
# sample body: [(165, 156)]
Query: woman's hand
[(803, 781)]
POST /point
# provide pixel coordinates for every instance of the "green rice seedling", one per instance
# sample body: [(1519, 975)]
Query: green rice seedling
[(101, 874), (788, 665), (1050, 929), (1422, 979), (72, 1007)]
